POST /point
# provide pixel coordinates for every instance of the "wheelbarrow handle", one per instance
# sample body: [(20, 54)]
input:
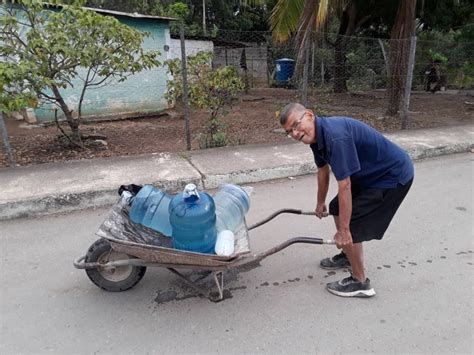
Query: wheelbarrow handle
[(312, 213), (285, 210)]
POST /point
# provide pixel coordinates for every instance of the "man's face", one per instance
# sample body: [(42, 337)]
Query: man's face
[(300, 126)]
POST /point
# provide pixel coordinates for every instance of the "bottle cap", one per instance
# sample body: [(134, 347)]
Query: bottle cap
[(190, 190)]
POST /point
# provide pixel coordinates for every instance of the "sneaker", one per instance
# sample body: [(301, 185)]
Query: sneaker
[(351, 287), (338, 261)]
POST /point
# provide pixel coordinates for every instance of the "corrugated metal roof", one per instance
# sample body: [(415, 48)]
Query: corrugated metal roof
[(117, 13), (128, 14)]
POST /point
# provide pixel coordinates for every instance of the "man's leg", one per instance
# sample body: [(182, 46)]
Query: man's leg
[(339, 261), (355, 254), (357, 285)]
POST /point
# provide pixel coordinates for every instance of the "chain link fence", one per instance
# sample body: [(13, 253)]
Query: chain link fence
[(345, 68), (342, 63)]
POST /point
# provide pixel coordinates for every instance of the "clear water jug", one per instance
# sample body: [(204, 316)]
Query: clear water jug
[(150, 208), (193, 219), (232, 203)]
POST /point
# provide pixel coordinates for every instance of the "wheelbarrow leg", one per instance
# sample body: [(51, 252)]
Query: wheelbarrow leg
[(218, 279)]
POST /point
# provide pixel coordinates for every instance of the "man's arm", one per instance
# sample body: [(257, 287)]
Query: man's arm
[(343, 236), (323, 186)]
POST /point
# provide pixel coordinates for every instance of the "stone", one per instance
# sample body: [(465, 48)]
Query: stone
[(16, 116), (30, 116)]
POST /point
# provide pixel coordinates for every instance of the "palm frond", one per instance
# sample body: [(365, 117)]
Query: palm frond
[(284, 18), (254, 2), (321, 18), (306, 25)]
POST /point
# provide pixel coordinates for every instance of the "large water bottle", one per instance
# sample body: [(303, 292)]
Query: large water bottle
[(150, 208), (232, 203), (193, 218)]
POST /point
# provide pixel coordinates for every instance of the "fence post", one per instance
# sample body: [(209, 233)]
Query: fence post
[(6, 142), (406, 121), (185, 87)]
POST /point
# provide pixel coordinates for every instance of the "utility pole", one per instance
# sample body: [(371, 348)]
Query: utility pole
[(185, 86)]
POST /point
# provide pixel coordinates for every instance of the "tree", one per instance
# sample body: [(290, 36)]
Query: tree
[(210, 89), (402, 32), (14, 96), (66, 44), (14, 93), (445, 15), (220, 14), (353, 15), (299, 18)]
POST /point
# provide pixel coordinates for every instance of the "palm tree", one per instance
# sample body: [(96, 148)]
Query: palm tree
[(299, 18)]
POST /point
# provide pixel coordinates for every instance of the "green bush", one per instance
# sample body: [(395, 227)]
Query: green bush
[(209, 89)]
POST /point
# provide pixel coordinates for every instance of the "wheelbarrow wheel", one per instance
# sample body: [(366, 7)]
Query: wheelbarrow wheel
[(113, 279)]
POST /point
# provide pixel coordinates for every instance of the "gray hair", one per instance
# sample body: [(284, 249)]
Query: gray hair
[(288, 110)]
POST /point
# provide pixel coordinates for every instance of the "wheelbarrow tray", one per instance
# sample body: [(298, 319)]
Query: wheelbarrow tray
[(153, 247)]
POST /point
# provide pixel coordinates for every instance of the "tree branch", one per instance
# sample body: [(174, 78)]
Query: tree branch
[(62, 130), (79, 107)]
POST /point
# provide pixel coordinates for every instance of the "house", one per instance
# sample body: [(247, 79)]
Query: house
[(248, 58), (142, 93)]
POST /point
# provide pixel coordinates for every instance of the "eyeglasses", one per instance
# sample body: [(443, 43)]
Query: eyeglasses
[(295, 125)]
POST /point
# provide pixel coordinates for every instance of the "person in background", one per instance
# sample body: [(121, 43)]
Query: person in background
[(373, 175), (433, 77)]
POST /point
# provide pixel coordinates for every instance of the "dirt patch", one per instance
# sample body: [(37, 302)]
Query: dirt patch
[(252, 120)]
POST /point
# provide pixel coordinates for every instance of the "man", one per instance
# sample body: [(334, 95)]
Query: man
[(373, 175), (433, 77)]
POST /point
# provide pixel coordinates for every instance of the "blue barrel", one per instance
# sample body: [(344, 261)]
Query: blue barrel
[(285, 68), (193, 221)]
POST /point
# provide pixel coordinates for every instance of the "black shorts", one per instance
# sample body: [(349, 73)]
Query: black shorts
[(372, 210)]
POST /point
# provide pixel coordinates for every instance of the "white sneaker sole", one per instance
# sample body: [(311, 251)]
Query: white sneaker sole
[(359, 293), (335, 267)]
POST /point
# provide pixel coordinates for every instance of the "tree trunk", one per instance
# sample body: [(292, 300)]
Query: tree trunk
[(6, 141), (73, 123), (347, 28), (402, 31)]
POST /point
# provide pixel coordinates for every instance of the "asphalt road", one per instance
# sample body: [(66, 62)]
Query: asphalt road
[(422, 272)]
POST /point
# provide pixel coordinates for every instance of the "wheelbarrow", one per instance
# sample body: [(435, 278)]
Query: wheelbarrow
[(118, 260)]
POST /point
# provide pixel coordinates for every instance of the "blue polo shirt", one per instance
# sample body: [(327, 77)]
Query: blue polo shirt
[(354, 149)]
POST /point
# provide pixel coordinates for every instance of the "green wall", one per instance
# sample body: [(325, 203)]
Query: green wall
[(140, 93)]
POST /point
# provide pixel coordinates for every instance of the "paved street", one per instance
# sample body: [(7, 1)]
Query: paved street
[(422, 273)]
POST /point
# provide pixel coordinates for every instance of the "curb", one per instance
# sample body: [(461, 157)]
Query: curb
[(258, 175), (61, 203), (69, 202)]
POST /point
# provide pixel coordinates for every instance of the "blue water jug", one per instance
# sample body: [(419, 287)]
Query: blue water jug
[(150, 208), (232, 203), (193, 218)]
